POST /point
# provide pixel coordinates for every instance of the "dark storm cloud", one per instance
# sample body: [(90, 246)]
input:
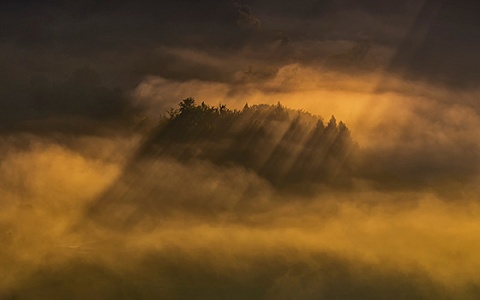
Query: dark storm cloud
[(442, 44), (121, 37), (55, 36), (79, 103), (123, 41)]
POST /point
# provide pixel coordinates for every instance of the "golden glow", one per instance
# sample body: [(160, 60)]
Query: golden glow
[(45, 224)]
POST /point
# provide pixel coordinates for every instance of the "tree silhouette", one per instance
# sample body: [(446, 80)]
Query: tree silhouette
[(285, 146)]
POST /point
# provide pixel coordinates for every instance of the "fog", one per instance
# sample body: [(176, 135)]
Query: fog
[(332, 150), (80, 220), (92, 209)]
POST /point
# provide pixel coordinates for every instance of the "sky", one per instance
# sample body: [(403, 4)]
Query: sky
[(86, 85)]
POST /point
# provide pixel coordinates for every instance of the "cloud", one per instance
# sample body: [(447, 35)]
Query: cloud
[(412, 134), (122, 39), (202, 229), (83, 217), (162, 225), (78, 104)]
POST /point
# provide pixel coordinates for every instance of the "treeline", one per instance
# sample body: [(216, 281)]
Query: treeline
[(287, 147)]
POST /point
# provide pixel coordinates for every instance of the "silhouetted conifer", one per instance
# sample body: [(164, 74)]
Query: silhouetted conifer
[(285, 146)]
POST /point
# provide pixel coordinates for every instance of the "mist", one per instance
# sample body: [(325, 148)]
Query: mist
[(86, 216), (250, 150)]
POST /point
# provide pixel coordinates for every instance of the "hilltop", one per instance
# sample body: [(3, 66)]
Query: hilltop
[(285, 146)]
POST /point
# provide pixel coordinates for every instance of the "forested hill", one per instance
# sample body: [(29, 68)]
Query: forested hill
[(287, 147)]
